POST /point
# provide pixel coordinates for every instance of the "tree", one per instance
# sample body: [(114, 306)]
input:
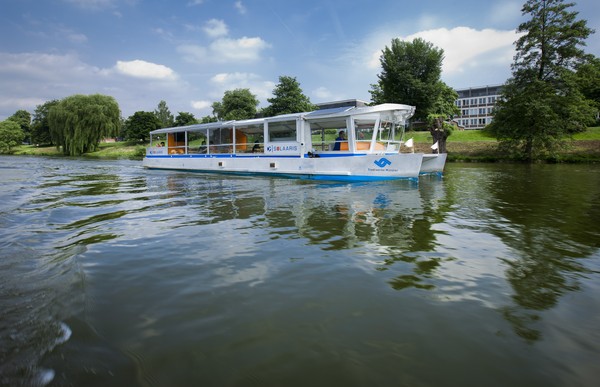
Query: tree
[(11, 135), (140, 124), (288, 98), (79, 122), (164, 115), (410, 74), (542, 103), (238, 104), (40, 128), (184, 119), (23, 118), (588, 79)]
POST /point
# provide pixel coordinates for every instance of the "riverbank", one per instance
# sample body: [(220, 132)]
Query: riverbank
[(462, 146)]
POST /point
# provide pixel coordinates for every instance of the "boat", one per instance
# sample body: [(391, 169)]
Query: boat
[(433, 164), (343, 144)]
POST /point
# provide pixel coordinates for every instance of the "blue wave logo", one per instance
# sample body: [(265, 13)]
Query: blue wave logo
[(382, 162)]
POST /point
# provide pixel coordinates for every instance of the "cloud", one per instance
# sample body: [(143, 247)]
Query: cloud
[(195, 2), (470, 55), (239, 49), (215, 28), (240, 7), (142, 69), (230, 81), (200, 105), (225, 50)]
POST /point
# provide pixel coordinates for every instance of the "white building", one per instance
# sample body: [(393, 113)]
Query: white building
[(476, 105)]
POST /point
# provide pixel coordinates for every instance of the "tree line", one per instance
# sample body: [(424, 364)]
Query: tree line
[(554, 92)]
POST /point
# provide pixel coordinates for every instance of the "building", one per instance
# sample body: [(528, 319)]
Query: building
[(476, 105)]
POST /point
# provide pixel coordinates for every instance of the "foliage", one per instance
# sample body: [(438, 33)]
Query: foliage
[(411, 75), (588, 79), (79, 122), (164, 115), (238, 104), (184, 119), (11, 135), (208, 119), (140, 124), (542, 103), (288, 98), (40, 128), (23, 118)]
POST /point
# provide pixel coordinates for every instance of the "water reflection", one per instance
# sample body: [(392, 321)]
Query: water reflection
[(547, 216), (209, 271)]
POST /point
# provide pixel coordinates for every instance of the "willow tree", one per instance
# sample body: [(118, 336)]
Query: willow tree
[(79, 122), (542, 104)]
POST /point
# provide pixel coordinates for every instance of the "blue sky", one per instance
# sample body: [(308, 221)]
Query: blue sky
[(189, 52)]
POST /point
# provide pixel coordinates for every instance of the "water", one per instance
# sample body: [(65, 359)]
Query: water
[(114, 275)]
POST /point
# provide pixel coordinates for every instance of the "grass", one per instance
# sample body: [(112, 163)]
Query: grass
[(115, 150)]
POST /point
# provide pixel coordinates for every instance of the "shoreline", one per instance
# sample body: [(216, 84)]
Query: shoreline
[(580, 151)]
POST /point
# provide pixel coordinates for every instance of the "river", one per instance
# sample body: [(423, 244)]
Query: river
[(115, 275)]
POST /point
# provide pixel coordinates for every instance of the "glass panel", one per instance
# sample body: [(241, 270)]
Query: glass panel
[(282, 131)]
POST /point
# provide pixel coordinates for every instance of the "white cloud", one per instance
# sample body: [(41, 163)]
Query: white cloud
[(193, 53), (225, 50), (215, 28), (201, 105), (142, 69), (243, 49), (230, 81), (470, 55), (240, 7), (462, 45), (195, 2)]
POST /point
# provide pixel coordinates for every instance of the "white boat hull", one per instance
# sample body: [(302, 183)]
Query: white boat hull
[(351, 167), (433, 163)]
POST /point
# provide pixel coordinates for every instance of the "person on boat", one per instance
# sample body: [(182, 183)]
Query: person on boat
[(339, 140), (203, 147), (256, 147)]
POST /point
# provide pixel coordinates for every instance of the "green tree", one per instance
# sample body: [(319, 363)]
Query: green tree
[(164, 115), (11, 135), (23, 118), (139, 125), (542, 103), (238, 104), (410, 74), (185, 118), (79, 122), (40, 128), (208, 119), (288, 98), (588, 79)]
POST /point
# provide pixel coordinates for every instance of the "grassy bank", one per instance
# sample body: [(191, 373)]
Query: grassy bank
[(466, 145), (476, 145), (115, 150)]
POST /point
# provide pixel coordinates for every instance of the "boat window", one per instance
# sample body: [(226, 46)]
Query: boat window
[(282, 131), (176, 143), (249, 139), (197, 142), (323, 133)]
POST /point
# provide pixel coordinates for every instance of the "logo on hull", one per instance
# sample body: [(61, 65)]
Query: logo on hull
[(382, 162)]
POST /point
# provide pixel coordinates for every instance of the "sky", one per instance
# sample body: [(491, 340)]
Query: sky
[(189, 52)]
